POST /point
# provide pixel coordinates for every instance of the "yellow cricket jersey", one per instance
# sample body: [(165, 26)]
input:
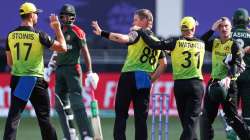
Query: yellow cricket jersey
[(140, 57), (219, 52), (26, 46), (187, 59)]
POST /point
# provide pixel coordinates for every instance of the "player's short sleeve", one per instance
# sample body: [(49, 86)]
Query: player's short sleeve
[(133, 37), (45, 39), (81, 42), (169, 43), (80, 36)]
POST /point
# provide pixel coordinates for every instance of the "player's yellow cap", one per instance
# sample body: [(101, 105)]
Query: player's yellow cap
[(27, 8), (188, 23)]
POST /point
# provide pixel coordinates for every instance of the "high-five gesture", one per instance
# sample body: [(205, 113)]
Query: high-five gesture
[(54, 22), (97, 30)]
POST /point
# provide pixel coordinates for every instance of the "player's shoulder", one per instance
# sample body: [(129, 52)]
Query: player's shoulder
[(78, 31), (193, 39), (175, 38), (28, 29), (237, 42), (196, 39)]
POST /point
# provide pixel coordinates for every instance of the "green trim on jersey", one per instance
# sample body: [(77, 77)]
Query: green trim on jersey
[(140, 57), (187, 59), (243, 38), (74, 46), (27, 53), (219, 52)]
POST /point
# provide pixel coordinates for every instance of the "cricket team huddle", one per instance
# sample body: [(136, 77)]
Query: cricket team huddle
[(145, 62)]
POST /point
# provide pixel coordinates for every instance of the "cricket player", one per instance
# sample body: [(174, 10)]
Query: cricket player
[(187, 53), (68, 88), (222, 88), (242, 35), (24, 50), (138, 72)]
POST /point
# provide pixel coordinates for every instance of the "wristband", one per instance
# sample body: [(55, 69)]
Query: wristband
[(105, 34)]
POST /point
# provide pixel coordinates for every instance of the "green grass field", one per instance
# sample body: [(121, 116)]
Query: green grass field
[(29, 129)]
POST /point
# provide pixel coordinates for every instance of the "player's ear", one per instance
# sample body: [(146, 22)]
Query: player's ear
[(150, 24)]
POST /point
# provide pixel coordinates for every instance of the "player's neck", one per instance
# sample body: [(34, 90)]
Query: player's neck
[(225, 38), (27, 23)]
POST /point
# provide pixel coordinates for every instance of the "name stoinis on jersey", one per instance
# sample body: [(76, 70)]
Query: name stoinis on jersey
[(22, 35)]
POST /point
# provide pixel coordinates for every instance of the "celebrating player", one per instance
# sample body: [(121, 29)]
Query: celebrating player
[(139, 71), (187, 53), (222, 87), (24, 50), (242, 35)]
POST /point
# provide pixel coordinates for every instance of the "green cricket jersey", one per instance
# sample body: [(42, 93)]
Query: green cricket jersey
[(75, 39), (243, 37), (26, 45)]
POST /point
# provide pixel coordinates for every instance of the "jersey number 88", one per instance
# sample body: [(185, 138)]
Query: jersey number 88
[(148, 55)]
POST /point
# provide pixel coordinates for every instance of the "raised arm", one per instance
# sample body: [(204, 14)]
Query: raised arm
[(208, 40), (59, 44), (154, 43), (208, 36), (116, 37)]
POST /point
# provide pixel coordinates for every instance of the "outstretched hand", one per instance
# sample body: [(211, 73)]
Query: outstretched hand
[(54, 22), (97, 30)]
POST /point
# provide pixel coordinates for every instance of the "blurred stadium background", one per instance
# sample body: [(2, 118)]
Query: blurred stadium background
[(108, 57)]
